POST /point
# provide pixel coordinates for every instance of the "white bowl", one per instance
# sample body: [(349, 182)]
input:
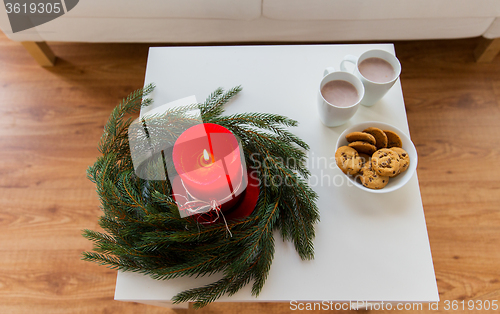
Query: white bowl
[(396, 182)]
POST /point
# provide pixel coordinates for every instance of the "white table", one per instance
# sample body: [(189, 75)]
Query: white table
[(369, 247)]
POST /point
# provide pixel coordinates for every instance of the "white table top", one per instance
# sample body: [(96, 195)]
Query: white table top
[(370, 247)]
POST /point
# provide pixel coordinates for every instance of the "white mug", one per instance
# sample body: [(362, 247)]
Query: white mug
[(333, 115), (374, 89)]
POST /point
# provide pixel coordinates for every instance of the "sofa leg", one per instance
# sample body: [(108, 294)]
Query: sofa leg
[(487, 49), (41, 52)]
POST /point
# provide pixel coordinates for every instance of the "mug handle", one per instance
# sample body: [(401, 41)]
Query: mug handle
[(348, 58), (328, 70)]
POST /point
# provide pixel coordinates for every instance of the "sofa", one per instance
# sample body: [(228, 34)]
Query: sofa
[(265, 21)]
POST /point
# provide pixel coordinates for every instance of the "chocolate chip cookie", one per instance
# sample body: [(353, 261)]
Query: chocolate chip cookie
[(363, 147), (393, 140), (379, 135), (371, 179), (365, 158), (360, 136), (404, 158), (348, 160), (385, 162)]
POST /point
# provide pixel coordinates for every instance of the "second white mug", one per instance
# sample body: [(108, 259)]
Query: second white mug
[(378, 70)]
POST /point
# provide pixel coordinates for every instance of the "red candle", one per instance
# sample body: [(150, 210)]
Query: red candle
[(208, 160)]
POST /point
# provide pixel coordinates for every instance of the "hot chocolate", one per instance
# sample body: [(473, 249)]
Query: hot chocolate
[(340, 93), (377, 70)]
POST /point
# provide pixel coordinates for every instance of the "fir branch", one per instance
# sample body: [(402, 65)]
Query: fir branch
[(116, 127), (108, 260), (204, 295), (213, 106)]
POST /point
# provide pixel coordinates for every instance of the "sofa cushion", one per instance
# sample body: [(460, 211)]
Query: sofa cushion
[(198, 9), (377, 9)]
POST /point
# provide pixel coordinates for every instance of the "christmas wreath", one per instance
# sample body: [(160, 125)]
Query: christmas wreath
[(146, 234)]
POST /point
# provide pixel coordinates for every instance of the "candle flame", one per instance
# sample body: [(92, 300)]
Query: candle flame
[(205, 155)]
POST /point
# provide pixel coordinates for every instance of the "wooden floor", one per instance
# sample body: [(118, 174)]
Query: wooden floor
[(51, 121)]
